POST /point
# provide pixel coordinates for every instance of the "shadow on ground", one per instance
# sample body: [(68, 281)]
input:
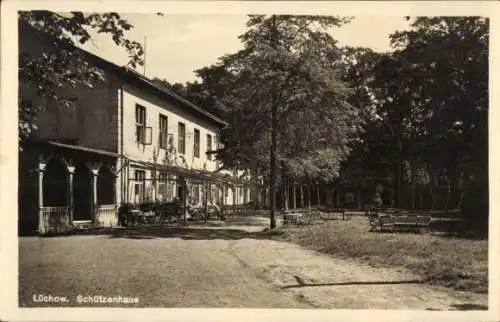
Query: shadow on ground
[(302, 283), (469, 307), (189, 233)]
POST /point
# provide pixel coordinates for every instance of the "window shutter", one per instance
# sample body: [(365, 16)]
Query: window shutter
[(148, 136)]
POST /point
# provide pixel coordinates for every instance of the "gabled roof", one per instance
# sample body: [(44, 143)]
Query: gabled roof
[(141, 81)]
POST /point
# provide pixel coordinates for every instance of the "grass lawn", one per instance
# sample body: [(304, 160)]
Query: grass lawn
[(449, 261)]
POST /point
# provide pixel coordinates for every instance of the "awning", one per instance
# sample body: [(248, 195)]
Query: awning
[(81, 148), (202, 175)]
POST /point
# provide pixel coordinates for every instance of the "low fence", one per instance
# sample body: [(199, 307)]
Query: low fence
[(106, 215), (237, 210), (54, 220)]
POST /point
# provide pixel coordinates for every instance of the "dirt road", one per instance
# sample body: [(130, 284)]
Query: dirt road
[(218, 267)]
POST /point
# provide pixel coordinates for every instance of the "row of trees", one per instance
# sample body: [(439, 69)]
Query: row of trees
[(413, 120), (429, 132), (301, 107)]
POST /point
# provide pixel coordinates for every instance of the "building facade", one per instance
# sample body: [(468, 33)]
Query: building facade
[(125, 140)]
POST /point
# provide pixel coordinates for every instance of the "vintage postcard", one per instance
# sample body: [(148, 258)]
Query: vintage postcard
[(249, 160)]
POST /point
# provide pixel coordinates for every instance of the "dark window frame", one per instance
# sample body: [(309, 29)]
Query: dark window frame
[(140, 183), (209, 146), (196, 143), (181, 138), (163, 131), (140, 123)]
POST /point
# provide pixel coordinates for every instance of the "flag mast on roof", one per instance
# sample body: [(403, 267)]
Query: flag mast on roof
[(145, 49)]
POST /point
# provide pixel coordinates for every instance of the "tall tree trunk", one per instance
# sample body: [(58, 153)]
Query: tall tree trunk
[(302, 196), (309, 204), (284, 187), (448, 194), (395, 187), (294, 189), (273, 172), (433, 187), (286, 197), (338, 198), (421, 194), (413, 185), (274, 143), (399, 199)]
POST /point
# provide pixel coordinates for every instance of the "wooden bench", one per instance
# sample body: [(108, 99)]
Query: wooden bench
[(300, 216), (310, 218), (333, 213), (407, 222), (237, 210)]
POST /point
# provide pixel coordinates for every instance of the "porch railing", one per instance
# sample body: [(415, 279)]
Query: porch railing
[(54, 220), (106, 215)]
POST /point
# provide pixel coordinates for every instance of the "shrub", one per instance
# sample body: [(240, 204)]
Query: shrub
[(124, 213)]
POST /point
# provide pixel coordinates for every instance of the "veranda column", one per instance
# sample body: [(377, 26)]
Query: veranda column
[(186, 198), (317, 194), (155, 178), (223, 194), (205, 202), (95, 173), (41, 223), (71, 173)]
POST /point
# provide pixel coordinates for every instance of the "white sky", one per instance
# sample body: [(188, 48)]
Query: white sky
[(178, 44)]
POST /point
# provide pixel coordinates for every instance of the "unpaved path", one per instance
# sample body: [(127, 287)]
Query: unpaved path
[(324, 281), (218, 267)]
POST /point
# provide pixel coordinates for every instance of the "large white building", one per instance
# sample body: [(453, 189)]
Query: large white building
[(126, 140)]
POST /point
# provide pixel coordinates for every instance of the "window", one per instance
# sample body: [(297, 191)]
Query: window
[(140, 123), (194, 194), (209, 146), (165, 188), (182, 138), (217, 146), (163, 136), (139, 178), (196, 146)]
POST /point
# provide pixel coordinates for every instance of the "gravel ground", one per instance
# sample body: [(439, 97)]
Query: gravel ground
[(229, 266)]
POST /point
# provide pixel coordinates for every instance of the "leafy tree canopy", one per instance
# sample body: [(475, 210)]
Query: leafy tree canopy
[(60, 65)]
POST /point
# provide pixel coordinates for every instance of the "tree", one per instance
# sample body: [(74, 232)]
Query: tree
[(431, 105), (207, 92), (458, 120), (61, 66), (286, 100)]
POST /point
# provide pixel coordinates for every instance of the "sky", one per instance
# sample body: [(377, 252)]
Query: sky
[(178, 44)]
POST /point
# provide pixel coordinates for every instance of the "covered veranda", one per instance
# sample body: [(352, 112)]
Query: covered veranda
[(63, 185), (195, 188)]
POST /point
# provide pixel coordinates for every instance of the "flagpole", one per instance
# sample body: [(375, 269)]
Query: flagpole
[(145, 50)]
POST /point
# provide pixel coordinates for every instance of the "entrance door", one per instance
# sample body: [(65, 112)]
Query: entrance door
[(82, 193), (180, 193)]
